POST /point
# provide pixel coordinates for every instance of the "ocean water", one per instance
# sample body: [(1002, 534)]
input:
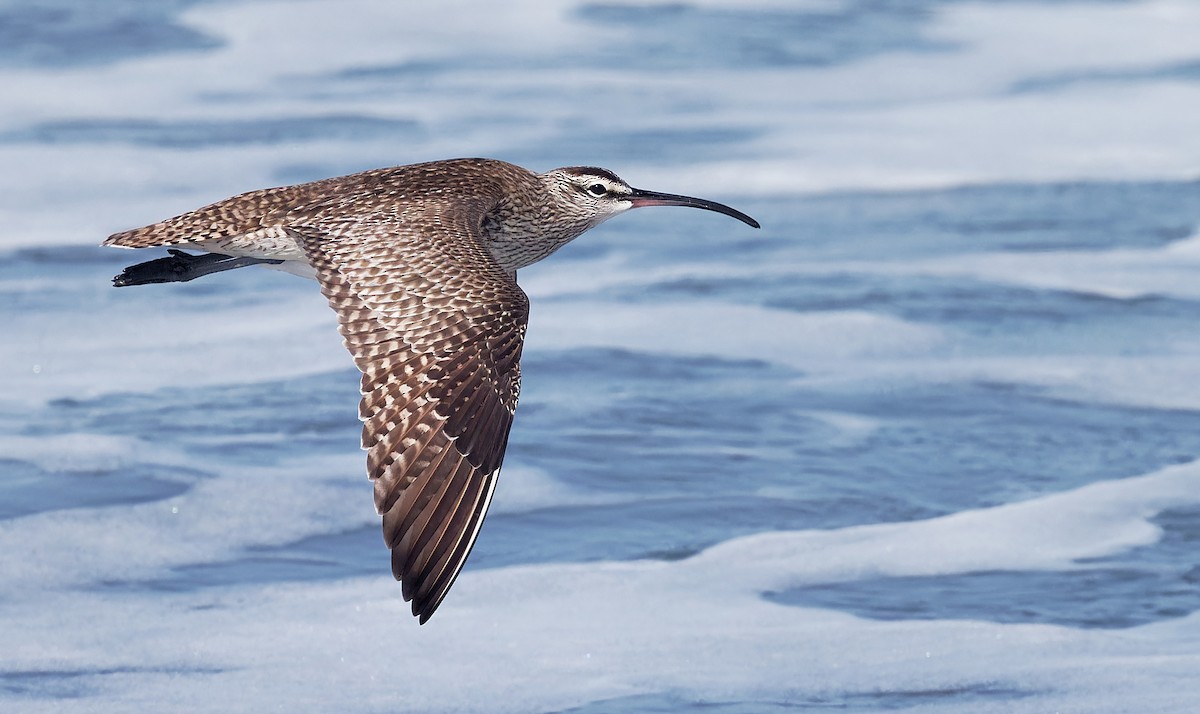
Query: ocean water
[(929, 441)]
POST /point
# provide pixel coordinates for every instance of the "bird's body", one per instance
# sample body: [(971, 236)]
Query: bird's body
[(419, 262)]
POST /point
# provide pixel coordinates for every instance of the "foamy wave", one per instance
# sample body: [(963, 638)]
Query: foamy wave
[(140, 346), (729, 331), (524, 488), (215, 518), (696, 629), (1121, 273), (1047, 533), (71, 452)]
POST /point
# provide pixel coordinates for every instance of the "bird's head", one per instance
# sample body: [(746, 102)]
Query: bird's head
[(570, 201), (591, 195)]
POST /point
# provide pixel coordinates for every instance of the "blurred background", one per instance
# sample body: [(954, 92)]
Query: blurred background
[(927, 441)]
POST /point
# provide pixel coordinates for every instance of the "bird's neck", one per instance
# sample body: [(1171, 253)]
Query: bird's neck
[(518, 236)]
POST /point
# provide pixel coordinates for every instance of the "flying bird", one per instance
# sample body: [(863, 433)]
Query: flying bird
[(419, 262)]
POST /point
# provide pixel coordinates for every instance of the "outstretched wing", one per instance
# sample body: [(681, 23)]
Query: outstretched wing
[(436, 328)]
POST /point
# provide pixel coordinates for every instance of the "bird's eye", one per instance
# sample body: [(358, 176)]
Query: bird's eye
[(597, 189)]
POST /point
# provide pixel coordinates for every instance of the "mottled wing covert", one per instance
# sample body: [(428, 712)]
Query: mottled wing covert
[(436, 328)]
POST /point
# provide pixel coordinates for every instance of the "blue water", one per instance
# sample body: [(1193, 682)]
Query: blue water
[(1034, 383)]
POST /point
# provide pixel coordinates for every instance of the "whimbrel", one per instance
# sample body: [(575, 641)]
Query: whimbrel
[(419, 262)]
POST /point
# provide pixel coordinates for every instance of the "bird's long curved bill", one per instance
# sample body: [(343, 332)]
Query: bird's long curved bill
[(641, 198)]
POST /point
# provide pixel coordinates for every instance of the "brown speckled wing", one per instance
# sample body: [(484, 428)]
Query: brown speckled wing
[(436, 328), (231, 217)]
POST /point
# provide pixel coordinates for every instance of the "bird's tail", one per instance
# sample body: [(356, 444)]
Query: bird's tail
[(180, 267)]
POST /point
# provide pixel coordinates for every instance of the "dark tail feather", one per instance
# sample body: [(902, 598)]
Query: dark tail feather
[(180, 267)]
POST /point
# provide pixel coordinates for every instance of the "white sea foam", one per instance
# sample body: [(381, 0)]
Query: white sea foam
[(849, 428), (71, 452), (1047, 533), (730, 331), (1119, 273), (140, 347), (525, 488), (561, 635), (219, 514)]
